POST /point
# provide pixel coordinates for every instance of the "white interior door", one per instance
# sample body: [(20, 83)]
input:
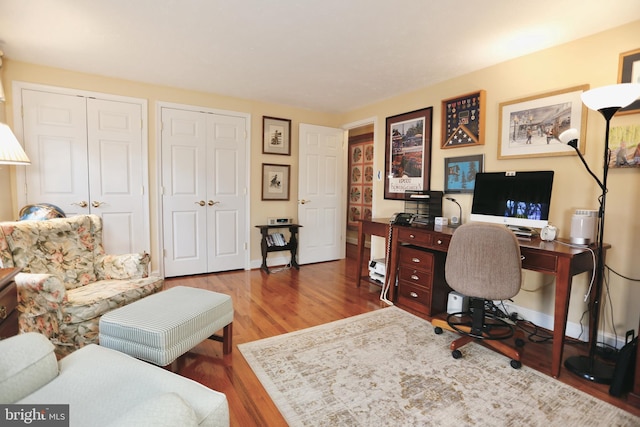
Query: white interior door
[(184, 177), (55, 139), (116, 183), (226, 192), (204, 179), (320, 194)]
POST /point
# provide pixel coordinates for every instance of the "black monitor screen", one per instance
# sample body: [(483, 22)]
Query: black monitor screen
[(518, 198)]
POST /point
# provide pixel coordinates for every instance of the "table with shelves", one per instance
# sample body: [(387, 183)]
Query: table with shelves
[(8, 303), (553, 258), (291, 246)]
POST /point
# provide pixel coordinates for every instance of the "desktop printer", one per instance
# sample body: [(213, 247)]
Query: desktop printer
[(377, 270)]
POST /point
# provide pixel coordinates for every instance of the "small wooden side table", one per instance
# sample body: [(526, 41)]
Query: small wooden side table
[(8, 303), (291, 246)]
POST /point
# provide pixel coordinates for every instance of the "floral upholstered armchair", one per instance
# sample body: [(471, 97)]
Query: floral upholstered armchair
[(67, 281)]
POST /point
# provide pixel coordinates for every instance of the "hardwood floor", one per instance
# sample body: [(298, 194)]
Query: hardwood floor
[(289, 300)]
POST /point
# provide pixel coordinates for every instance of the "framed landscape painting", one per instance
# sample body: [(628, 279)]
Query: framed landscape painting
[(460, 173)]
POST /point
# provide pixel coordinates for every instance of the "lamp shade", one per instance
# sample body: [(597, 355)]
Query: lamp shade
[(612, 96), (11, 152)]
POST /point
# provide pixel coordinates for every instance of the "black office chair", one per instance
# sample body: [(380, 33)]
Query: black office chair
[(484, 264)]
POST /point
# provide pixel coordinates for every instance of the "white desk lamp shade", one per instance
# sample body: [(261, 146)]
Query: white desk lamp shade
[(11, 152), (619, 95)]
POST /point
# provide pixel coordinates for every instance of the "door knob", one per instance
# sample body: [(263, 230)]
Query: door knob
[(201, 203), (82, 204), (303, 201), (96, 204), (211, 203)]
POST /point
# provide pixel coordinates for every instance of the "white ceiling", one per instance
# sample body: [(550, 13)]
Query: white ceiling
[(325, 55)]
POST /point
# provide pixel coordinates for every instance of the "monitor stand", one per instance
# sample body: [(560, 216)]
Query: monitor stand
[(522, 231)]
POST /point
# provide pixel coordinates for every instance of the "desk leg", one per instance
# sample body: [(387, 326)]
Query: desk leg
[(293, 245), (560, 312), (360, 253), (392, 268)]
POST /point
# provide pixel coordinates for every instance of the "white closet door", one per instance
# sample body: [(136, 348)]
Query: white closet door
[(116, 185), (184, 201), (55, 139), (204, 180), (226, 191)]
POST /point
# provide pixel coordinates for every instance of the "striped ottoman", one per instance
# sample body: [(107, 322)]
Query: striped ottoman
[(163, 326)]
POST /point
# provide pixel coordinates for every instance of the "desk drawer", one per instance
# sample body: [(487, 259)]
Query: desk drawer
[(415, 258), (415, 276), (8, 312), (413, 236), (415, 297), (536, 261)]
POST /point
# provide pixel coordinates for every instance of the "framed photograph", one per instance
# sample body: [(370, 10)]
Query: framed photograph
[(276, 134), (463, 120), (408, 153), (529, 127), (275, 181), (624, 147), (629, 72), (460, 173)]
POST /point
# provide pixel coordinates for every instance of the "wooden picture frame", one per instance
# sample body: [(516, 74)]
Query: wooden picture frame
[(463, 120), (276, 136), (460, 173), (529, 127), (408, 153), (275, 181), (629, 72)]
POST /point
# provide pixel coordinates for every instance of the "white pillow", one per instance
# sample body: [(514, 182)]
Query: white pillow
[(165, 410)]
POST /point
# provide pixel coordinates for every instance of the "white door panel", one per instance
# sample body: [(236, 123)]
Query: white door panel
[(116, 182), (183, 181), (55, 138), (320, 187)]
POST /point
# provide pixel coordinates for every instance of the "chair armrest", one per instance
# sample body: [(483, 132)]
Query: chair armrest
[(119, 267), (39, 293), (28, 362)]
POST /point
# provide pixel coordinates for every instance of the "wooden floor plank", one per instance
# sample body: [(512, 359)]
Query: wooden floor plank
[(266, 305)]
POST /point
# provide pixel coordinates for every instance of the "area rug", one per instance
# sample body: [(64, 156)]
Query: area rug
[(388, 368)]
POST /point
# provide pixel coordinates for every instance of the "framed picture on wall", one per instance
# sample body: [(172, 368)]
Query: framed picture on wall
[(629, 72), (275, 181), (276, 135), (460, 173), (529, 127), (463, 120), (408, 153)]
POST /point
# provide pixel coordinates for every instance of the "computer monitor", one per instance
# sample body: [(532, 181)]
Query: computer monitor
[(519, 199)]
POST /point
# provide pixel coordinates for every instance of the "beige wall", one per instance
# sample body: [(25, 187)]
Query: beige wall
[(592, 60)]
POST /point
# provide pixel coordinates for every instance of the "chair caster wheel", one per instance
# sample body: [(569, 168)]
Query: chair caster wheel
[(516, 364), (438, 330), (457, 354), (519, 342)]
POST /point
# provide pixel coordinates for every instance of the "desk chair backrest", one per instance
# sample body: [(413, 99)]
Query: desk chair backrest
[(483, 261)]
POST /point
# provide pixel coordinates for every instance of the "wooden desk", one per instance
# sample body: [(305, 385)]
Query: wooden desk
[(553, 258)]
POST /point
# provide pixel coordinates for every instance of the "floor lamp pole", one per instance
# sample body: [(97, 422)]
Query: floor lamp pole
[(589, 367)]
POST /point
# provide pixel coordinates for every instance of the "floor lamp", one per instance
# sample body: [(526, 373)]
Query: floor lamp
[(607, 100)]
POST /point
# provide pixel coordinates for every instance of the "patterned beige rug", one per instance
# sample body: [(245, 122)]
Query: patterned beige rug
[(388, 368)]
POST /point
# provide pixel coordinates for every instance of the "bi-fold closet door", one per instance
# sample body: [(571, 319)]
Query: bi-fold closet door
[(88, 156), (204, 191)]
